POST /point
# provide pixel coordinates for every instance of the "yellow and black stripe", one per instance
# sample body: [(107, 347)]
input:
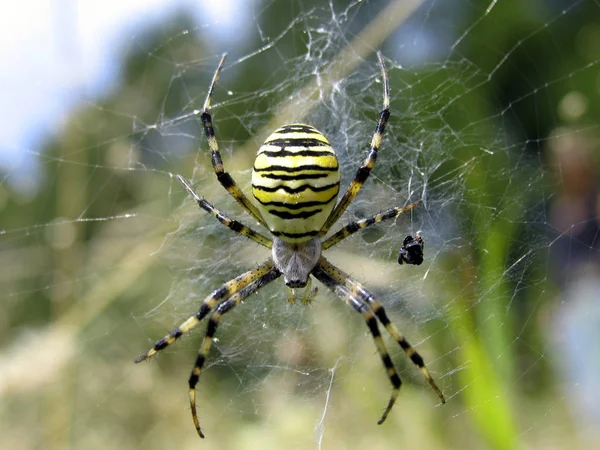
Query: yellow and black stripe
[(213, 323), (233, 225), (363, 172), (332, 276), (354, 300), (295, 180), (265, 272), (358, 225)]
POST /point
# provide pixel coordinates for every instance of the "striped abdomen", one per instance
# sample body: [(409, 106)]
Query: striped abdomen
[(295, 181)]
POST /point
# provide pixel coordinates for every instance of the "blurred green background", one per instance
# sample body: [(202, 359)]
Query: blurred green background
[(494, 125)]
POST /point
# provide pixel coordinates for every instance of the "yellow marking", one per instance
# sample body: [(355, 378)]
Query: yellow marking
[(214, 146), (278, 134), (245, 231), (380, 345), (284, 197), (393, 398), (206, 343), (355, 186), (278, 183), (264, 161), (231, 287), (188, 325), (194, 414), (376, 141), (355, 286)]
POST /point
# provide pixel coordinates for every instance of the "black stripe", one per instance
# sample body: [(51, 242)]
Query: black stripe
[(362, 174), (404, 344), (206, 123), (383, 119), (220, 292), (225, 180), (290, 190), (387, 361), (417, 359), (161, 344), (380, 313), (296, 142), (212, 326), (204, 310), (372, 324), (193, 381), (395, 379), (306, 176), (352, 227), (275, 168), (297, 129), (294, 205), (389, 214), (295, 235), (301, 215), (267, 278), (236, 226), (285, 153), (299, 205)]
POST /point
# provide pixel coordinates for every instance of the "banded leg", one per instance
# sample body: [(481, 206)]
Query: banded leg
[(365, 170), (221, 294), (357, 289), (213, 323), (231, 224), (360, 306), (353, 227), (224, 178)]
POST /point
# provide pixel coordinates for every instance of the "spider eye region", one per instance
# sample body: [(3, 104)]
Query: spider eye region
[(295, 181), (296, 261)]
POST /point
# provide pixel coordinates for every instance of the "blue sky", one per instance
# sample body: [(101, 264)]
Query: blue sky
[(57, 53)]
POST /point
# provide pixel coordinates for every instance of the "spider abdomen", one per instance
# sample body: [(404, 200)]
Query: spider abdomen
[(295, 181)]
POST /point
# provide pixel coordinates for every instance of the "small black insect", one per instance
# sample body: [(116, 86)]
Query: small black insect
[(412, 250)]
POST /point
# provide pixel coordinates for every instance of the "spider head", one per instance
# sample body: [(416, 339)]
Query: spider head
[(295, 283), (296, 261)]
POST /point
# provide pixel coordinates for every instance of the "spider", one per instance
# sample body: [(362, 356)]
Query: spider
[(295, 182)]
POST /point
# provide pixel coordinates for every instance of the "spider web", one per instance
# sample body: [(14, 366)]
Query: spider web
[(493, 126)]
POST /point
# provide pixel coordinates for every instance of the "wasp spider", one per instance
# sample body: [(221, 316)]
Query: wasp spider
[(295, 182)]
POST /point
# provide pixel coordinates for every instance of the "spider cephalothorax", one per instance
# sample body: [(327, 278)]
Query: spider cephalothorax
[(295, 182)]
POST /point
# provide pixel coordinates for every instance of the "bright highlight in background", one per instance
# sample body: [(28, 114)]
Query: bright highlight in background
[(57, 54)]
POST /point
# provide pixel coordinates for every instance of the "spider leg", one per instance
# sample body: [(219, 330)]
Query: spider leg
[(360, 306), (358, 225), (231, 224), (357, 289), (219, 295), (224, 177), (365, 170), (213, 322)]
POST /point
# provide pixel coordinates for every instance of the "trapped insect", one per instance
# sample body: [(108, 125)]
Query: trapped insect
[(411, 251), (295, 182)]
